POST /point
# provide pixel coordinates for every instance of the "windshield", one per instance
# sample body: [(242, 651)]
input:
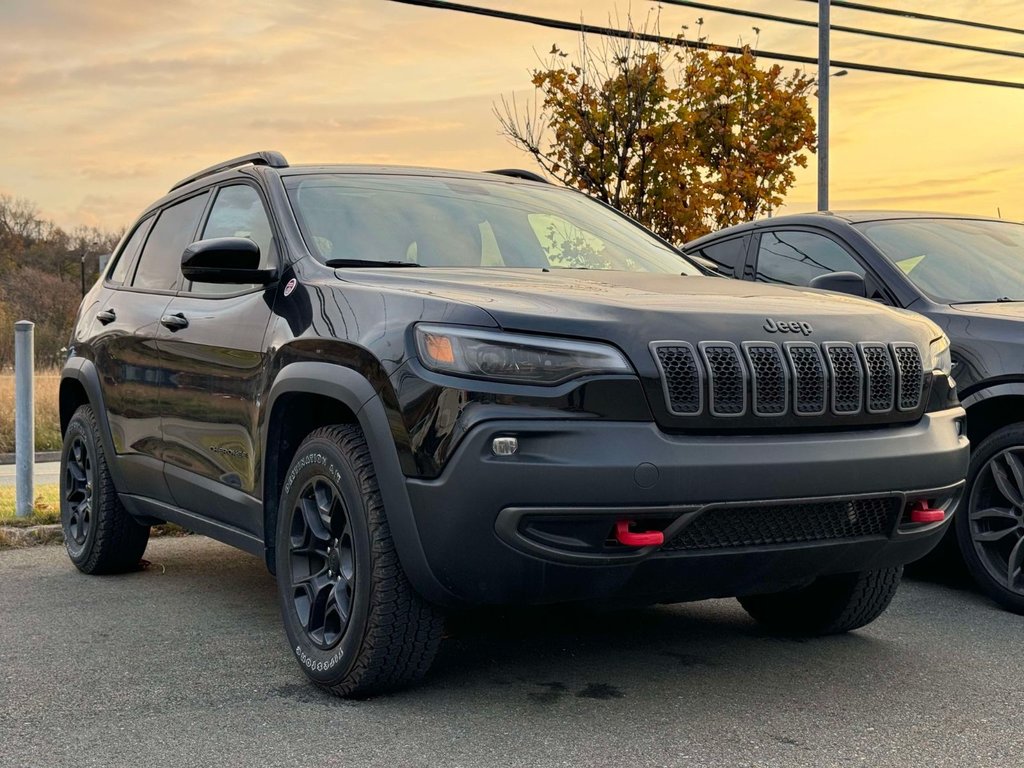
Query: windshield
[(955, 260), (451, 222)]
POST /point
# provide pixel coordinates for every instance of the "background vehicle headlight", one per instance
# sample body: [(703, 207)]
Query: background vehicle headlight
[(513, 357), (940, 357)]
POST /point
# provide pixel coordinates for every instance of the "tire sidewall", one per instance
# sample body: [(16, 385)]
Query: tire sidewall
[(80, 426), (321, 457), (1007, 437)]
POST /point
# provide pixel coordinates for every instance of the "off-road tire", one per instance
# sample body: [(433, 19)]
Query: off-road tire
[(1008, 437), (830, 605), (113, 542), (392, 634)]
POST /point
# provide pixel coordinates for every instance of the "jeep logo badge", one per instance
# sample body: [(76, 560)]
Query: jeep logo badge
[(791, 326)]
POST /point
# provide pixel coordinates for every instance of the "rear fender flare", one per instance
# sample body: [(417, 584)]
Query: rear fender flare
[(83, 371)]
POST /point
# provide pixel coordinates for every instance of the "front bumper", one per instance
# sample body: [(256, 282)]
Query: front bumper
[(477, 522)]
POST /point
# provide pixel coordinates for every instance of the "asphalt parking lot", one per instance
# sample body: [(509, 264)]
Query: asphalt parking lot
[(184, 664)]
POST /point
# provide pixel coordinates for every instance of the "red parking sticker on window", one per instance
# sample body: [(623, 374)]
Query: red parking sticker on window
[(289, 287)]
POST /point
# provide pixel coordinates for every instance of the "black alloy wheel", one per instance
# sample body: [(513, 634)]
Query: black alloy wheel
[(99, 533), (79, 479), (996, 518), (322, 562)]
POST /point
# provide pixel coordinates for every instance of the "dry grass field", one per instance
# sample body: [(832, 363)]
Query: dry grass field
[(47, 506), (47, 411)]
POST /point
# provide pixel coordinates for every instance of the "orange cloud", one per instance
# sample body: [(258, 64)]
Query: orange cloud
[(108, 103)]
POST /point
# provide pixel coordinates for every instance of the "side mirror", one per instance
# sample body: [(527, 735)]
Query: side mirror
[(225, 260), (841, 282)]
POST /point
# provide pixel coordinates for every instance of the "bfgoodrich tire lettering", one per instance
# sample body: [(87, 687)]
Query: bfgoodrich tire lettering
[(353, 621), (99, 533), (828, 606)]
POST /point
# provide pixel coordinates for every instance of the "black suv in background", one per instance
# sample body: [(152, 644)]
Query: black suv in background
[(967, 275), (408, 389)]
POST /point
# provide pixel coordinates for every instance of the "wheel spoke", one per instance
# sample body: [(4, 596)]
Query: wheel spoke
[(341, 601), (77, 474), (990, 536), (314, 522), (1013, 565), (993, 513), (1005, 485), (1017, 470)]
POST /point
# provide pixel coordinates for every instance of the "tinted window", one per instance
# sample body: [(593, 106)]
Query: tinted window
[(796, 258), (238, 212), (452, 222), (724, 255), (160, 264), (127, 254), (955, 260)]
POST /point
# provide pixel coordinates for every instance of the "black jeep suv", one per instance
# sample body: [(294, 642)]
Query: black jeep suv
[(966, 274), (409, 389)]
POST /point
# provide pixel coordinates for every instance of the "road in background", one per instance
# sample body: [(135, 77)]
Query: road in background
[(46, 473), (185, 664)]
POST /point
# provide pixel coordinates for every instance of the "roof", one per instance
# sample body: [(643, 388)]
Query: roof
[(829, 220)]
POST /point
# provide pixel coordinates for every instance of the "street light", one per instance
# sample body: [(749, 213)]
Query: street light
[(824, 64), (88, 252)]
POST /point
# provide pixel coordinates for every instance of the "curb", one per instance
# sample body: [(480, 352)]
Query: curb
[(41, 457), (17, 537)]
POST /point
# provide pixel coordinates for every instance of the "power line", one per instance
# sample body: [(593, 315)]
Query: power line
[(921, 16), (842, 28), (648, 37)]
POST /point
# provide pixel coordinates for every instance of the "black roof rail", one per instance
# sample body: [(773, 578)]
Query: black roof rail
[(268, 158), (516, 173)]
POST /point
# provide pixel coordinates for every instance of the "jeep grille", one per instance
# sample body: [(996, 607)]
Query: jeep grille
[(796, 378)]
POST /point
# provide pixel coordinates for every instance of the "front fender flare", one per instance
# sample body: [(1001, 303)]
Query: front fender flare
[(352, 389), (1014, 388)]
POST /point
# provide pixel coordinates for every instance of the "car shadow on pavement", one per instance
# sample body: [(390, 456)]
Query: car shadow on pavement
[(534, 656), (555, 653)]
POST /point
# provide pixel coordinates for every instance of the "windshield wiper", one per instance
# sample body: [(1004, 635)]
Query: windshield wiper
[(1000, 300), (335, 263)]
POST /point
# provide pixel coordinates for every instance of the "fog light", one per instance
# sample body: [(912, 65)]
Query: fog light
[(504, 446)]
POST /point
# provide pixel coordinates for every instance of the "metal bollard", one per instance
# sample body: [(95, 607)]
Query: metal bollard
[(24, 417)]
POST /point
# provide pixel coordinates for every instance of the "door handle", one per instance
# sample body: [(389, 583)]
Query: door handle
[(106, 316), (174, 322)]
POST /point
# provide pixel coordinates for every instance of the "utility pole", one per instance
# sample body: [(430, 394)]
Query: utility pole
[(824, 71)]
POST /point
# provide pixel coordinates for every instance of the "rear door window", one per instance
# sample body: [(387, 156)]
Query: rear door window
[(160, 263), (795, 257)]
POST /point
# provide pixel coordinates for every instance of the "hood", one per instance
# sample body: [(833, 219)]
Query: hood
[(632, 308)]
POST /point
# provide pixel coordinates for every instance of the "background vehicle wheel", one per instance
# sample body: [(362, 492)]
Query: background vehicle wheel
[(828, 606), (353, 620), (990, 521), (99, 534)]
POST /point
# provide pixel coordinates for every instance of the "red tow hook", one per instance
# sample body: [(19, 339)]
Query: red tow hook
[(631, 539), (922, 513)]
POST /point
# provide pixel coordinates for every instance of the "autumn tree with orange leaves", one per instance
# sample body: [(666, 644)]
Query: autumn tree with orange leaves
[(684, 140)]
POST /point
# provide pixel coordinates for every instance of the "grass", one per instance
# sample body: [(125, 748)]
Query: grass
[(47, 411), (47, 506), (47, 512)]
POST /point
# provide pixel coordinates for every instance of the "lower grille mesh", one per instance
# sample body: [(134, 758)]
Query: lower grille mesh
[(730, 527)]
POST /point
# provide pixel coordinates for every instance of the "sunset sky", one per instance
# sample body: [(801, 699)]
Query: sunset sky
[(106, 103)]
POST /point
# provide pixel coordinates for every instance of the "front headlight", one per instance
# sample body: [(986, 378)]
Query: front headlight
[(940, 357), (513, 357)]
